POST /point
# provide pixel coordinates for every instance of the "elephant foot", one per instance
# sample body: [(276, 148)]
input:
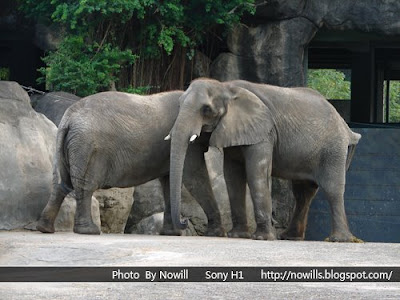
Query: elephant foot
[(291, 235), (45, 226), (239, 233), (343, 238), (90, 228), (262, 235), (170, 231), (216, 231)]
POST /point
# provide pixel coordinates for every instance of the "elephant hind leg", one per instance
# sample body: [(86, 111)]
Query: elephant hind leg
[(83, 216), (333, 184), (48, 216), (235, 178), (303, 191)]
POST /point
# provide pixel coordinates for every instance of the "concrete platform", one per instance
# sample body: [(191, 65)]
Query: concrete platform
[(25, 248)]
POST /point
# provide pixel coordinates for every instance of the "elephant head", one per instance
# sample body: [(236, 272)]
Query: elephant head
[(233, 115)]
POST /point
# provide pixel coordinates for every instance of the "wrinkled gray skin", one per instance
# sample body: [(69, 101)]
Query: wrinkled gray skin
[(115, 139), (292, 133)]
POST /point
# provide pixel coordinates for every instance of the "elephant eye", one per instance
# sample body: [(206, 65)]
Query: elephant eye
[(207, 111)]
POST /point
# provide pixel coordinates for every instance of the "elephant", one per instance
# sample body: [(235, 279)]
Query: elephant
[(115, 139), (264, 131)]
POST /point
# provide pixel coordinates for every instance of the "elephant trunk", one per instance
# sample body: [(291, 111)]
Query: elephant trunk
[(182, 135)]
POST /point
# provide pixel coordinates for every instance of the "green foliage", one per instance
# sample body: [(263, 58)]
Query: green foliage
[(83, 69), (394, 101), (141, 90), (160, 23), (104, 28), (4, 73), (330, 83)]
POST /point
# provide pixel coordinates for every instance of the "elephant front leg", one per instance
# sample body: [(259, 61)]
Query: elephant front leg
[(235, 178), (258, 160), (197, 181), (168, 227)]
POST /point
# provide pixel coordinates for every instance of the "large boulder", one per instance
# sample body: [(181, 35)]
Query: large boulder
[(66, 216), (271, 48), (147, 216), (115, 206), (27, 143), (54, 104), (266, 53)]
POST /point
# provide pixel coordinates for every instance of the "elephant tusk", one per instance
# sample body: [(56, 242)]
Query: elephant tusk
[(192, 138), (167, 138)]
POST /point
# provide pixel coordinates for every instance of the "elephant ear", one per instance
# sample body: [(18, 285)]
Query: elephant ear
[(247, 121)]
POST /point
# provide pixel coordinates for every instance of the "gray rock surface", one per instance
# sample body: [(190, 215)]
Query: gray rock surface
[(272, 51), (268, 53), (27, 143), (150, 225), (54, 104), (148, 200), (115, 205), (65, 218), (147, 211)]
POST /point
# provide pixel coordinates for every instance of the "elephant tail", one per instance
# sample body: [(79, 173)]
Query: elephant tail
[(61, 164), (354, 139)]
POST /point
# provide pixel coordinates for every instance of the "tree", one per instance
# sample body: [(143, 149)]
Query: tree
[(394, 101), (120, 33), (330, 83)]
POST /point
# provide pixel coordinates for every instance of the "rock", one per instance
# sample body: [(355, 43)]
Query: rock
[(192, 210), (149, 225), (149, 200), (266, 53), (379, 17), (201, 65), (10, 90), (65, 218), (115, 205), (27, 143), (54, 104), (280, 9)]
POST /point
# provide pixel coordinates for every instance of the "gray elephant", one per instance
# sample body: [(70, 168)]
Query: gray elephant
[(292, 133), (115, 139)]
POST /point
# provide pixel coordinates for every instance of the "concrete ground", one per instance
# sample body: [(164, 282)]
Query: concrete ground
[(26, 248)]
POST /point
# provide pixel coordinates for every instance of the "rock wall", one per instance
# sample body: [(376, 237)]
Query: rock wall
[(53, 105), (270, 47), (27, 143)]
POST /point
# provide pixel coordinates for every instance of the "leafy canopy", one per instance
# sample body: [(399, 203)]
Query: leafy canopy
[(330, 83), (103, 35)]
